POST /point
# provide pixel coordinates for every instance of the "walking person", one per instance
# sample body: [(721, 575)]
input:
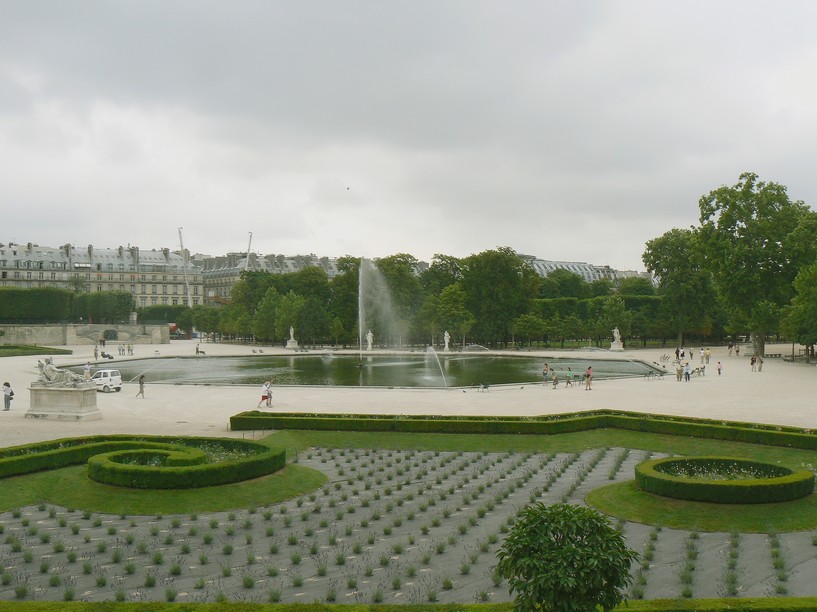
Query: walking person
[(265, 394), (569, 377), (86, 370), (687, 371), (588, 378), (703, 355), (752, 362), (545, 374), (720, 368), (8, 395), (141, 387)]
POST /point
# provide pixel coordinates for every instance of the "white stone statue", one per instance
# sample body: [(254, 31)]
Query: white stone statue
[(369, 340), (447, 338), (616, 344), (292, 343), (52, 376)]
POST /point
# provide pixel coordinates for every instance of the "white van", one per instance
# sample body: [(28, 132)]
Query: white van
[(107, 380)]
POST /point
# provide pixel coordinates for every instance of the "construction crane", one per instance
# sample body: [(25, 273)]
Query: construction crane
[(250, 265), (184, 270)]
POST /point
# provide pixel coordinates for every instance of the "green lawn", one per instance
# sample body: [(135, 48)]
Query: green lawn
[(16, 350), (70, 487)]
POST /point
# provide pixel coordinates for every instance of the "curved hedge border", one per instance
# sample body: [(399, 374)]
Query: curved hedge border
[(184, 461), (782, 484), (750, 433)]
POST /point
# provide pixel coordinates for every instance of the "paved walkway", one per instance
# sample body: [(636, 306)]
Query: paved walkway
[(783, 393)]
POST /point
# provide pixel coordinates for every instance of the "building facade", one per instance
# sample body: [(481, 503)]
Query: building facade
[(154, 277), (221, 273)]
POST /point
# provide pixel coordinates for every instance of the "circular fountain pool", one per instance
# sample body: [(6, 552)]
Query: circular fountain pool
[(393, 370)]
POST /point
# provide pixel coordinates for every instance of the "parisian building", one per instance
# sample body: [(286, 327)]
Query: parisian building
[(222, 272), (154, 277)]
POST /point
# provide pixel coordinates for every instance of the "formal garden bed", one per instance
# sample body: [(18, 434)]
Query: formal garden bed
[(364, 525)]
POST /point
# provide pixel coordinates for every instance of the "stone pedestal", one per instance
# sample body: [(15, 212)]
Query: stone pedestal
[(64, 403), (616, 346), (292, 344)]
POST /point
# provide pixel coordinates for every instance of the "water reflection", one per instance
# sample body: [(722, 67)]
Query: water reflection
[(460, 370)]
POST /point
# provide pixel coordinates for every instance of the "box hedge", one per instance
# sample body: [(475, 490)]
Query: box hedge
[(749, 433), (185, 460), (772, 484)]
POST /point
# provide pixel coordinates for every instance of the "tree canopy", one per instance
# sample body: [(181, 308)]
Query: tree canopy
[(754, 241)]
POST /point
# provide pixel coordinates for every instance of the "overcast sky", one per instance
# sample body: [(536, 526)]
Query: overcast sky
[(567, 130)]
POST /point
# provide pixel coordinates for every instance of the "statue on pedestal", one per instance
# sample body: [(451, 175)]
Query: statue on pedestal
[(52, 376), (616, 344), (292, 343), (447, 338), (369, 340)]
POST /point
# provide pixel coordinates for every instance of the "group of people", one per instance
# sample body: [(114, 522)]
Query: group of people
[(551, 375), (705, 354), (124, 349)]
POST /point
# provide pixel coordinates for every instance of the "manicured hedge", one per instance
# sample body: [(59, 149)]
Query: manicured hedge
[(782, 484), (185, 461), (732, 604), (749, 433)]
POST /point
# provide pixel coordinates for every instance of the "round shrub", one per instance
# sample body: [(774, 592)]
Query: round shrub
[(723, 480)]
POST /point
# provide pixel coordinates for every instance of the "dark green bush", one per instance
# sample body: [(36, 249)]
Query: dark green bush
[(749, 433), (184, 460), (772, 483)]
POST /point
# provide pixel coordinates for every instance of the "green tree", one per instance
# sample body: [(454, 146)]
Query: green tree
[(564, 558), (528, 327), (404, 285), (263, 324), (287, 313), (427, 320), (570, 284), (453, 314), (635, 285), (313, 321), (499, 286), (615, 314), (443, 271), (206, 318), (800, 317), (600, 287), (309, 282), (755, 240), (684, 285), (76, 283), (344, 300)]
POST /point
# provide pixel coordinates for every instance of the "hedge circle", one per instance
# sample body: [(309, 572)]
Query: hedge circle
[(723, 480)]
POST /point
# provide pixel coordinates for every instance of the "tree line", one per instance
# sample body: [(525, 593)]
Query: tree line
[(749, 267), (494, 298)]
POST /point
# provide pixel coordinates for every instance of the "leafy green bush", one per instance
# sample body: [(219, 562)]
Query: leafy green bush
[(565, 558)]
